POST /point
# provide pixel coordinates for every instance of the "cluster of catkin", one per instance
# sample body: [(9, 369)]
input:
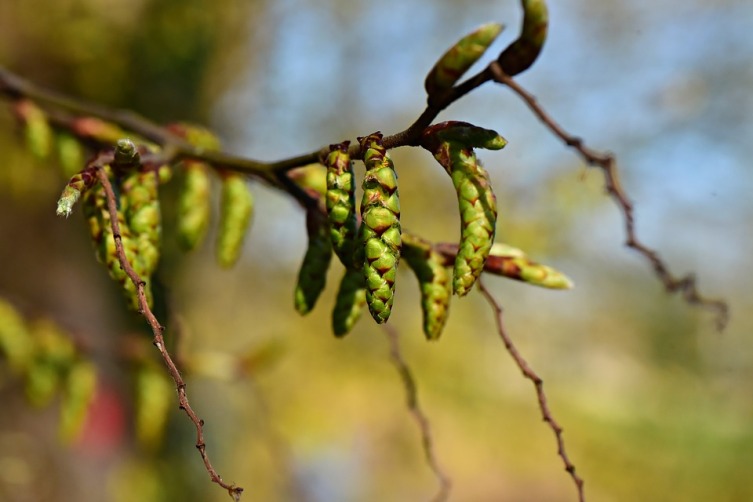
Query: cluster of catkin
[(368, 240)]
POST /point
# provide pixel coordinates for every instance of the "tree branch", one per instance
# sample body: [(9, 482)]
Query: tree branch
[(411, 394), (157, 330), (539, 385), (686, 286), (176, 148)]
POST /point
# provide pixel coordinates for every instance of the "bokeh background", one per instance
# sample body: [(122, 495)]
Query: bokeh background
[(655, 403)]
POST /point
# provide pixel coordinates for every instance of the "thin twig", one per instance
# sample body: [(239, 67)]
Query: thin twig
[(158, 340), (411, 394), (686, 286), (539, 385)]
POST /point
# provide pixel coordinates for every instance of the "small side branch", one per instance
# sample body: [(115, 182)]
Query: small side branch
[(686, 286), (158, 340), (539, 385), (411, 394)]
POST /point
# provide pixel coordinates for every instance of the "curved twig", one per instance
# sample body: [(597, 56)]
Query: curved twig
[(411, 395), (608, 164), (539, 385), (157, 330)]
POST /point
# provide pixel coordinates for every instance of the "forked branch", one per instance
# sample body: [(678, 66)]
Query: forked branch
[(686, 285)]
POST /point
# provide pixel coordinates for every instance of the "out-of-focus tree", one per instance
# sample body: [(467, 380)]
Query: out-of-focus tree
[(653, 400)]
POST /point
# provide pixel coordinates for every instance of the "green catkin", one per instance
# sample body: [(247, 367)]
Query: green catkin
[(54, 354), (350, 301), (37, 131), (312, 276), (434, 283), (468, 135), (77, 185), (16, 344), (452, 145), (99, 130), (380, 228), (51, 352), (152, 402), (79, 388), (194, 208), (478, 216), (513, 263), (312, 178), (70, 153), (196, 135), (194, 204), (98, 216), (521, 54), (341, 205), (140, 203), (460, 57), (236, 209)]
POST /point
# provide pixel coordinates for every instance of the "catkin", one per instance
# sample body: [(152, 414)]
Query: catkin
[(350, 301), (522, 53), (380, 228), (460, 57), (434, 283), (312, 276), (452, 145), (341, 205), (194, 207), (236, 209)]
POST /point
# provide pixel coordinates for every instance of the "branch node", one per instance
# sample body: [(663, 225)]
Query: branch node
[(574, 142)]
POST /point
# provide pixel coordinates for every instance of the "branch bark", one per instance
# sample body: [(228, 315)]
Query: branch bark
[(158, 339)]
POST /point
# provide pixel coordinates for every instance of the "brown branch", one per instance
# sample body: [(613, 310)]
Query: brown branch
[(686, 286), (539, 385), (411, 394), (16, 87), (158, 340), (275, 173)]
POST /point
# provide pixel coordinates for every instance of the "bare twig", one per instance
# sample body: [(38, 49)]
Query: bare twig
[(411, 394), (539, 385), (686, 286), (158, 340)]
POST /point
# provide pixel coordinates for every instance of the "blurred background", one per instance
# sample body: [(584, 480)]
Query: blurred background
[(655, 403)]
